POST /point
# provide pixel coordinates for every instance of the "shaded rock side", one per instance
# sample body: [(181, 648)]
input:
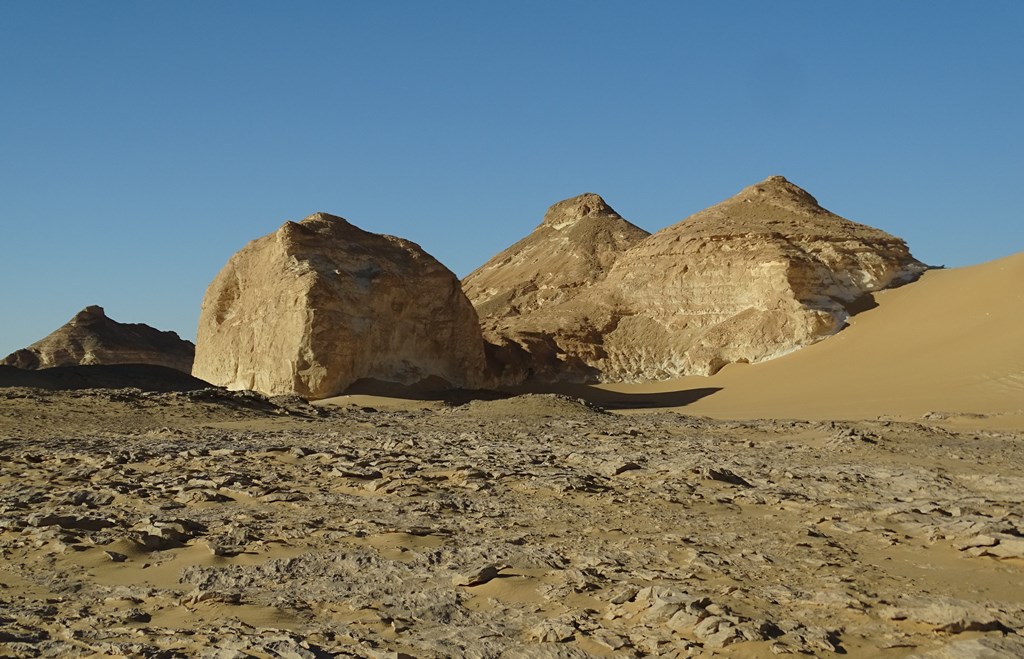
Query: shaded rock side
[(752, 278), (91, 338), (319, 304), (525, 295), (147, 377)]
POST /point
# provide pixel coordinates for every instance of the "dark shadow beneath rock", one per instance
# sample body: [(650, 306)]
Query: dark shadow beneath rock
[(146, 377)]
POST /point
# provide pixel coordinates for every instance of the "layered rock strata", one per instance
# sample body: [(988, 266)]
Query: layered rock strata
[(752, 278), (321, 304), (91, 338)]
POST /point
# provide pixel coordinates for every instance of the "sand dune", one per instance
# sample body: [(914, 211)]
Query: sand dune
[(952, 342)]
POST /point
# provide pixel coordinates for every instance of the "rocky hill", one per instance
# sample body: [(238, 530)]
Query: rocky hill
[(758, 275), (320, 304), (573, 248), (525, 295), (92, 338)]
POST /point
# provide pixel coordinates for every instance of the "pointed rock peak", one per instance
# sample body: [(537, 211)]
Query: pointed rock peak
[(90, 314), (777, 190), (570, 211), (321, 216), (317, 223)]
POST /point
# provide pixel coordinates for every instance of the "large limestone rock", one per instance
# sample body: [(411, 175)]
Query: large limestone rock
[(91, 338), (752, 278), (321, 304)]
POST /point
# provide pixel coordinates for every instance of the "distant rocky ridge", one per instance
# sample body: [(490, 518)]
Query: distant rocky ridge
[(91, 338), (758, 275), (320, 304)]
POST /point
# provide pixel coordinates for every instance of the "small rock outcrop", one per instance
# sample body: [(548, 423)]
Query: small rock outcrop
[(321, 304), (91, 338), (752, 278)]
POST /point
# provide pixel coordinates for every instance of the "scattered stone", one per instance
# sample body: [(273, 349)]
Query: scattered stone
[(945, 615), (621, 468), (723, 475), (552, 632), (979, 540), (284, 496), (70, 522), (476, 577), (987, 647), (607, 639), (1006, 546)]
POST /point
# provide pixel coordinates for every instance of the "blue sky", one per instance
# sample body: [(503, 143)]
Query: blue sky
[(142, 143)]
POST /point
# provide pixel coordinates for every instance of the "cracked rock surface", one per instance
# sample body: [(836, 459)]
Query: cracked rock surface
[(230, 525)]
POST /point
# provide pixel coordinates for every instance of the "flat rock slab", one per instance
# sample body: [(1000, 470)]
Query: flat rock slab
[(476, 577), (1009, 647)]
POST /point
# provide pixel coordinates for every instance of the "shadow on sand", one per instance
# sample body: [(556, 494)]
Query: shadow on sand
[(612, 400), (102, 376), (618, 400)]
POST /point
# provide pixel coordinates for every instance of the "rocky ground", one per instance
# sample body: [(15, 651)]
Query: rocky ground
[(230, 525)]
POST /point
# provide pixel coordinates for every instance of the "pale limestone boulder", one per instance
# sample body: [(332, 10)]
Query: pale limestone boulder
[(754, 277), (91, 338), (321, 304)]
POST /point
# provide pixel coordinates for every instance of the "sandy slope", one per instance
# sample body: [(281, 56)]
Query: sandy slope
[(951, 342)]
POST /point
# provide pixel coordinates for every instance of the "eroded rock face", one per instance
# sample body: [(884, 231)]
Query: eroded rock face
[(526, 295), (317, 305), (754, 277), (573, 248), (91, 338)]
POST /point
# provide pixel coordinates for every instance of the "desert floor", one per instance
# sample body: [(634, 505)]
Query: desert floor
[(861, 496)]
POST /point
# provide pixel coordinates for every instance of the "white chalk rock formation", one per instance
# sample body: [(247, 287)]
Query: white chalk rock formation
[(752, 278), (321, 304), (92, 338)]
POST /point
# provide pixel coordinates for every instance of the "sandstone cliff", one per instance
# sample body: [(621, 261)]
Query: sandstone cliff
[(93, 338), (320, 304), (758, 275)]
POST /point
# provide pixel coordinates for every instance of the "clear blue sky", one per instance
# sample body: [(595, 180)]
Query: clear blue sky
[(142, 143)]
